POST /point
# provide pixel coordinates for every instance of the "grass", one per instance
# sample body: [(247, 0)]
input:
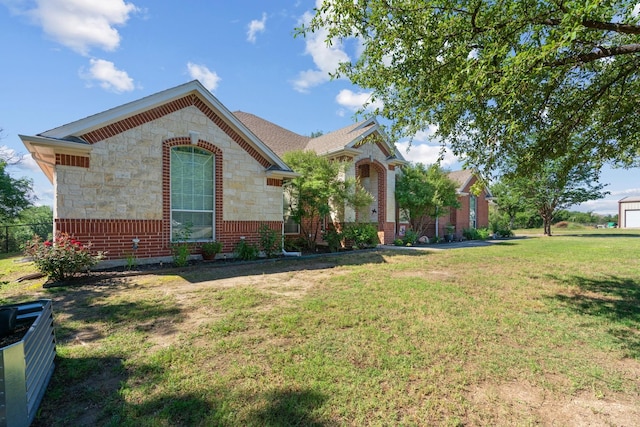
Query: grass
[(510, 333)]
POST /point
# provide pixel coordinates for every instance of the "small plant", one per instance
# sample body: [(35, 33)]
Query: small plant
[(270, 241), (180, 247), (62, 257), (398, 242), (409, 238), (363, 235), (246, 251), (132, 261), (211, 249), (333, 238)]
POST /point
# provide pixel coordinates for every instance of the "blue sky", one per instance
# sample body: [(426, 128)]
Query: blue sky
[(63, 60)]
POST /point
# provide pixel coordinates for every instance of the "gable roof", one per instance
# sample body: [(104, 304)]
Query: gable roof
[(463, 178), (79, 135), (281, 140)]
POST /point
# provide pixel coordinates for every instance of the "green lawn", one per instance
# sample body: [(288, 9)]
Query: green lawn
[(520, 332)]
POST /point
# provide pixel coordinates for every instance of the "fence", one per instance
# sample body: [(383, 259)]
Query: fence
[(15, 235)]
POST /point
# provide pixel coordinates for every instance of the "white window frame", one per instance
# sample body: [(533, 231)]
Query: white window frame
[(213, 190)]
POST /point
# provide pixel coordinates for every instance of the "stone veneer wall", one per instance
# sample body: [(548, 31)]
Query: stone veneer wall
[(121, 191)]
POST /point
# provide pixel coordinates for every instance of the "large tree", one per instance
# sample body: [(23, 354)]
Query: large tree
[(15, 194), (425, 193), (553, 186), (491, 73)]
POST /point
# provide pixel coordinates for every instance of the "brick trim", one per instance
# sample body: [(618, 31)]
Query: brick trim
[(168, 108), (273, 182), (115, 236), (72, 160)]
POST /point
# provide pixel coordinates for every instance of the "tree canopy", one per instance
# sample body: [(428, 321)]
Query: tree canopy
[(490, 74), (553, 186), (320, 190), (425, 193), (14, 194)]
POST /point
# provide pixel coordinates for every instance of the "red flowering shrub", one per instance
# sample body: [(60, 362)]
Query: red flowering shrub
[(61, 258)]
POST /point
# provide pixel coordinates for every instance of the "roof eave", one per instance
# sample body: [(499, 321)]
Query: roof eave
[(43, 150)]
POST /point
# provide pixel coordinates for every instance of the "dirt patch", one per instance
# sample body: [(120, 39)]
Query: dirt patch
[(516, 401)]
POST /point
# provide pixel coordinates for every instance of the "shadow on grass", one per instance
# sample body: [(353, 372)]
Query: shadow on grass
[(202, 272), (614, 299), (290, 408), (78, 305), (82, 392), (89, 392)]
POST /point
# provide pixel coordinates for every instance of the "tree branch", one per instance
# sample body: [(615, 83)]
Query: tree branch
[(598, 53)]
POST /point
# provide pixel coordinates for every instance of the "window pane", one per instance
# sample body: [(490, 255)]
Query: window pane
[(192, 193)]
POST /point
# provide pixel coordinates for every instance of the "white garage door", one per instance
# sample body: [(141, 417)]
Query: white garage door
[(632, 219)]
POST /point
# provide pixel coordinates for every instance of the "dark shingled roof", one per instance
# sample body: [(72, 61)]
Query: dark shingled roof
[(279, 139)]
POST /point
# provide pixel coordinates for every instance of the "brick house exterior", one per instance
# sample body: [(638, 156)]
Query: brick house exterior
[(114, 181), (473, 208)]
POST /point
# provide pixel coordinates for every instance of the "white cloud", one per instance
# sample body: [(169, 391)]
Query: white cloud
[(426, 153), (108, 76), (325, 57), (207, 77), (81, 25), (356, 100), (255, 27)]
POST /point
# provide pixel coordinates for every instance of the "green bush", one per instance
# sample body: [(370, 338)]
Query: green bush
[(476, 233), (398, 242), (61, 258), (333, 238), (410, 237), (363, 235), (270, 241), (246, 251)]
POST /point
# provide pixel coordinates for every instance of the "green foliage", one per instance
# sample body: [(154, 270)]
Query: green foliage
[(180, 246), (333, 238), (398, 242), (425, 193), (476, 233), (15, 194), (61, 258), (246, 251), (553, 185), (489, 74), (211, 248), (410, 237), (270, 241), (319, 190), (132, 261), (364, 235)]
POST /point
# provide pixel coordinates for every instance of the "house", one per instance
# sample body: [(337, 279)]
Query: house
[(129, 179), (473, 211), (373, 160), (629, 212), (474, 208)]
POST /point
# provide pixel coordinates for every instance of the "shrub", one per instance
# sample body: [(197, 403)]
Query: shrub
[(363, 235), (270, 241), (246, 251), (211, 249), (180, 247), (562, 224), (333, 238), (61, 258), (410, 237), (398, 242)]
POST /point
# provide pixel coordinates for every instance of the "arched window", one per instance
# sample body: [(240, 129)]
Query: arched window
[(192, 193)]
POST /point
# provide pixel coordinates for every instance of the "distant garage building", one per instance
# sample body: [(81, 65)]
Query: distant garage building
[(629, 212)]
